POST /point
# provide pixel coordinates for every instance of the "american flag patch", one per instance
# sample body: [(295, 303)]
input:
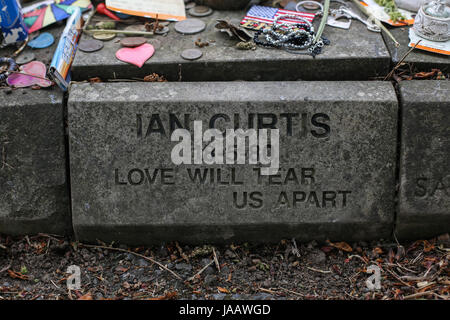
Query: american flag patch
[(260, 16)]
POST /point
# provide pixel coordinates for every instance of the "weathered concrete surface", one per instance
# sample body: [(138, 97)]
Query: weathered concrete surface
[(420, 59), (424, 209), (44, 55), (355, 54), (33, 188), (342, 147)]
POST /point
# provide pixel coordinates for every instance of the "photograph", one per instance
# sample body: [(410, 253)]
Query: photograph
[(225, 159)]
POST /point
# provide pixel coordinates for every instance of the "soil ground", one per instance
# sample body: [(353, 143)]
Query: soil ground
[(34, 268)]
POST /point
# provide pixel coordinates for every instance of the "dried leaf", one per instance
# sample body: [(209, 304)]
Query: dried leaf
[(223, 290), (427, 247), (87, 296), (17, 275), (167, 296), (344, 246), (378, 250)]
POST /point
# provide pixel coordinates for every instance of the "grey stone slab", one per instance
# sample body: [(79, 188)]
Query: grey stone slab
[(34, 193), (420, 59), (355, 54), (342, 145), (424, 209)]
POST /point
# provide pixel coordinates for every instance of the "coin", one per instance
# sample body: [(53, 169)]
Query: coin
[(90, 45), (190, 26), (104, 36), (132, 41), (25, 57), (191, 54), (162, 31), (200, 11)]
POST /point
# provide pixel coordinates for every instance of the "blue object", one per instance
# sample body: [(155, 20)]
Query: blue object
[(44, 40), (12, 25)]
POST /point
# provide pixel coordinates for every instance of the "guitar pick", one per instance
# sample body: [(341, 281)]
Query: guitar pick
[(137, 55), (44, 40), (35, 68)]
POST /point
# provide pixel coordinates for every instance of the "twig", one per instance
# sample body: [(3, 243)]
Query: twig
[(201, 271), (31, 75), (401, 61), (2, 246), (136, 254), (293, 292), (216, 260), (295, 249), (418, 294), (182, 254), (144, 33), (5, 268), (317, 270), (396, 277), (268, 291), (18, 51), (359, 257)]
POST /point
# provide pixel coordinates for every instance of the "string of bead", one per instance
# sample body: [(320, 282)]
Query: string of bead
[(297, 36)]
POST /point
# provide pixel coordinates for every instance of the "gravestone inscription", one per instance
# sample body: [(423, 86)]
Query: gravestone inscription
[(148, 162), (424, 209)]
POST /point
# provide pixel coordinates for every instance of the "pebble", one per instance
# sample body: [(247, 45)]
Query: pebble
[(318, 257), (209, 280), (25, 57), (143, 263), (183, 266), (219, 296)]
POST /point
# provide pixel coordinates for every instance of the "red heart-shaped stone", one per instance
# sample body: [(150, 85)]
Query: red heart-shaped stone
[(136, 56)]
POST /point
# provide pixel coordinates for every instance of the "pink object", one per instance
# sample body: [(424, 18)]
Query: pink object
[(136, 56), (101, 8), (35, 68)]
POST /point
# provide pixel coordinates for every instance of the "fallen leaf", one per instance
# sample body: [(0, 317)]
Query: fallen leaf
[(87, 296), (167, 296), (378, 250), (344, 246), (223, 290), (427, 247), (17, 275)]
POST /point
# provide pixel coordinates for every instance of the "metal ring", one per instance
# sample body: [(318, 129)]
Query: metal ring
[(297, 7), (11, 66)]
